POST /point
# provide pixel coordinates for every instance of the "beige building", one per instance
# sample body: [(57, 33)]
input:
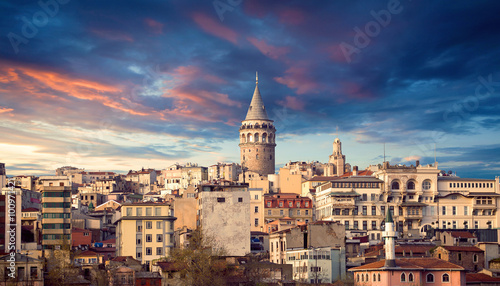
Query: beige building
[(257, 138), (224, 171), (193, 175), (257, 210), (284, 205), (290, 181), (142, 182), (224, 217), (145, 231), (173, 176)]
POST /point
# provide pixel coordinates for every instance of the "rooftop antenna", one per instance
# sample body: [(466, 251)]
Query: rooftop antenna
[(384, 151)]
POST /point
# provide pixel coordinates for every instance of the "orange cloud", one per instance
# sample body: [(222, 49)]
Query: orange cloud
[(211, 26), (5, 109), (297, 78), (268, 50), (156, 27), (35, 81)]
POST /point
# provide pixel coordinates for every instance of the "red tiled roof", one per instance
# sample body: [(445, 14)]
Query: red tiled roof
[(30, 210), (360, 173), (462, 248), (123, 258), (480, 277), (170, 266), (87, 253), (462, 234), (413, 263), (322, 178), (112, 240)]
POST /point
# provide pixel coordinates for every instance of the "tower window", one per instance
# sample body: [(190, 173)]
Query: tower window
[(257, 156), (270, 157)]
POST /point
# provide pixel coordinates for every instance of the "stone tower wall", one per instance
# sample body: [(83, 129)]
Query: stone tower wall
[(257, 146)]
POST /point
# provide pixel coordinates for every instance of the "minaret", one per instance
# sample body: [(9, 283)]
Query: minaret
[(390, 239), (257, 137)]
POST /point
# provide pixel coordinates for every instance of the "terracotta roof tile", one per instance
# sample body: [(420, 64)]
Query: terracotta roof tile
[(413, 263), (480, 277), (462, 248), (462, 234)]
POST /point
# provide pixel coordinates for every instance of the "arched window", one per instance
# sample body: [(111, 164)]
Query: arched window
[(411, 185), (249, 137), (256, 137), (357, 278), (374, 277), (243, 138), (475, 258), (378, 277), (367, 277), (264, 138), (430, 277), (362, 278), (426, 185), (403, 277), (395, 185), (446, 277), (410, 277)]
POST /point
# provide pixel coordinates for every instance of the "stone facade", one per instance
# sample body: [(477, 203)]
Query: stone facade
[(257, 138), (469, 257)]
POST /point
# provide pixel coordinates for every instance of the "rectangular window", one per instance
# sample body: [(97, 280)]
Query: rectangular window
[(454, 224), (159, 238), (443, 210), (148, 251), (307, 212), (374, 210), (149, 225), (148, 212), (374, 224), (256, 209), (365, 197), (364, 210), (444, 224), (298, 212), (240, 200), (281, 212), (269, 212), (138, 241), (382, 210), (281, 204), (157, 211), (466, 210), (149, 238), (346, 223), (373, 197), (256, 197), (454, 210), (256, 222), (221, 200), (138, 211), (159, 251), (355, 226), (268, 204), (355, 211), (158, 225), (476, 224), (365, 225)]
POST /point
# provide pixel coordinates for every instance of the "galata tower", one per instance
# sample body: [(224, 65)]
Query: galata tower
[(257, 137)]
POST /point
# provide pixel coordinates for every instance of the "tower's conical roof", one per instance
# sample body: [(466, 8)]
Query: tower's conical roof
[(257, 109), (388, 217)]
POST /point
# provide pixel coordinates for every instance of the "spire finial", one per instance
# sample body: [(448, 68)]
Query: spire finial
[(256, 77)]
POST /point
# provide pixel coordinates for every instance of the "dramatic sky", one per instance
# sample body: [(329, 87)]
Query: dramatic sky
[(120, 85)]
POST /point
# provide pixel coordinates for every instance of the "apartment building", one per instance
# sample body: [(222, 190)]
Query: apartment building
[(56, 215), (145, 231), (224, 171), (257, 210), (282, 205), (224, 217)]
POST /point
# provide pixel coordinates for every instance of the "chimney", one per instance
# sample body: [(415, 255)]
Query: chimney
[(355, 170), (417, 163)]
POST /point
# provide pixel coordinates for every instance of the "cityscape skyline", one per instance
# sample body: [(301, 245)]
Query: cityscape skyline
[(109, 88)]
